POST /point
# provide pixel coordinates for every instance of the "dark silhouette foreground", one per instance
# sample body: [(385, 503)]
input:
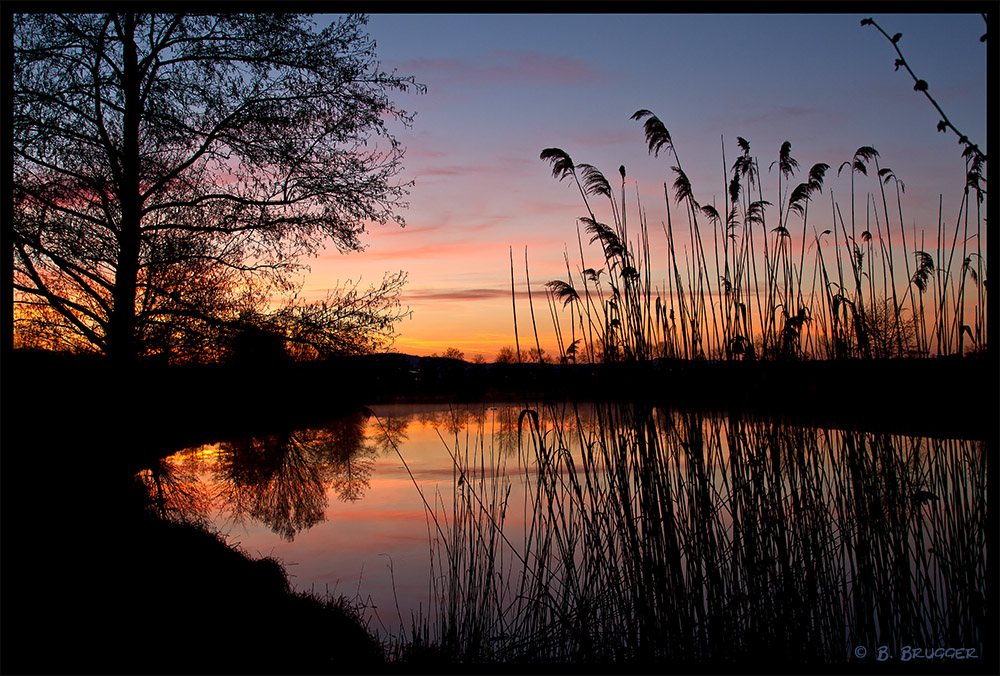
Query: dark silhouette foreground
[(93, 582)]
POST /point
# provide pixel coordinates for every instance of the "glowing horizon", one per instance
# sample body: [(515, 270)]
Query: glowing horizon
[(497, 96)]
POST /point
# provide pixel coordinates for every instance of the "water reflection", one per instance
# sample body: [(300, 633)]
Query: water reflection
[(657, 535), (568, 533), (175, 492), (279, 480)]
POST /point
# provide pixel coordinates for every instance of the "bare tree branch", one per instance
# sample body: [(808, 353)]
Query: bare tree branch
[(170, 170)]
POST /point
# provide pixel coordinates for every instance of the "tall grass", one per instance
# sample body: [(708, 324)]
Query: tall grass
[(638, 535), (771, 276)]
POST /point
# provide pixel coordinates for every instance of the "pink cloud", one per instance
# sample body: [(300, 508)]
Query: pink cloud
[(535, 66), (453, 170), (417, 151), (432, 250), (463, 295)]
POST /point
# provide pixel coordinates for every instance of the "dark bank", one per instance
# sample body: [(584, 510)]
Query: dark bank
[(95, 582)]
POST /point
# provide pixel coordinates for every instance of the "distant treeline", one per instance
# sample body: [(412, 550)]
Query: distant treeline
[(183, 403)]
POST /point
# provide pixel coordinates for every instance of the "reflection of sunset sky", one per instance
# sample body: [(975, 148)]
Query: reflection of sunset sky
[(348, 551), (502, 88), (343, 553)]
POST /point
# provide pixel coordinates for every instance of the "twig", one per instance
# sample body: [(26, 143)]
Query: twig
[(921, 86)]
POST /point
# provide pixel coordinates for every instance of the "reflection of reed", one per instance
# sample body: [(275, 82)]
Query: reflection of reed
[(655, 535)]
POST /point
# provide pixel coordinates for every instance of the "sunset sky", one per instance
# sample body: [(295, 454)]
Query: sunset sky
[(501, 88)]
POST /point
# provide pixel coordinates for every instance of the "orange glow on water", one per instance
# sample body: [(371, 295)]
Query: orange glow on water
[(386, 544), (349, 550)]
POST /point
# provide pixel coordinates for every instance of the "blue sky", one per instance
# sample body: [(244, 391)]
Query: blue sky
[(503, 87)]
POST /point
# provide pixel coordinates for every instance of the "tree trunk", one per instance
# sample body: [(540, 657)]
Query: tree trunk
[(122, 341)]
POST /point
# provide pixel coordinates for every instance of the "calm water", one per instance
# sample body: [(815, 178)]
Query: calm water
[(337, 504), (496, 521)]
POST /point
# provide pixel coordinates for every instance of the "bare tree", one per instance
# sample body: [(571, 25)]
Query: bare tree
[(454, 353), (172, 170), (506, 355)]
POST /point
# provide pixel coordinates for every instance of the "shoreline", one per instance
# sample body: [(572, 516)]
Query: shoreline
[(169, 406)]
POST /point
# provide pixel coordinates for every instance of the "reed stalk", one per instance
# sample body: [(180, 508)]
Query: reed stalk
[(645, 536), (763, 308)]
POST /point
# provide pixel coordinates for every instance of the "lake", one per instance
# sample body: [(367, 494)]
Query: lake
[(564, 532)]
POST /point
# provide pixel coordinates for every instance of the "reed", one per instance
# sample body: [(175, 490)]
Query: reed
[(639, 536), (753, 298)]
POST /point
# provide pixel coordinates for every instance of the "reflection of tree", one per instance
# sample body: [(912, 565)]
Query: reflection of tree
[(175, 492), (351, 475), (498, 421), (347, 461), (428, 418), (453, 421), (281, 479), (391, 434), (504, 427), (271, 479)]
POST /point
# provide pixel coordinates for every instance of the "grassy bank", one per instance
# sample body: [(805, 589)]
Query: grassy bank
[(142, 595)]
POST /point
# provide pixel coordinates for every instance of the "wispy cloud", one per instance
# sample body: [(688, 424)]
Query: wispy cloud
[(507, 67), (434, 295), (470, 295), (425, 250), (757, 115), (453, 170)]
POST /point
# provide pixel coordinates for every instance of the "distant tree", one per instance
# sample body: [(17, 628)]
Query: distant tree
[(454, 353), (479, 359), (537, 355), (889, 334), (170, 171), (506, 355)]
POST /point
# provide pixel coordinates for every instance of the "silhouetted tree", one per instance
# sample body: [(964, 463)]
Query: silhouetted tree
[(505, 355), (537, 355), (348, 321), (170, 170), (252, 343)]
